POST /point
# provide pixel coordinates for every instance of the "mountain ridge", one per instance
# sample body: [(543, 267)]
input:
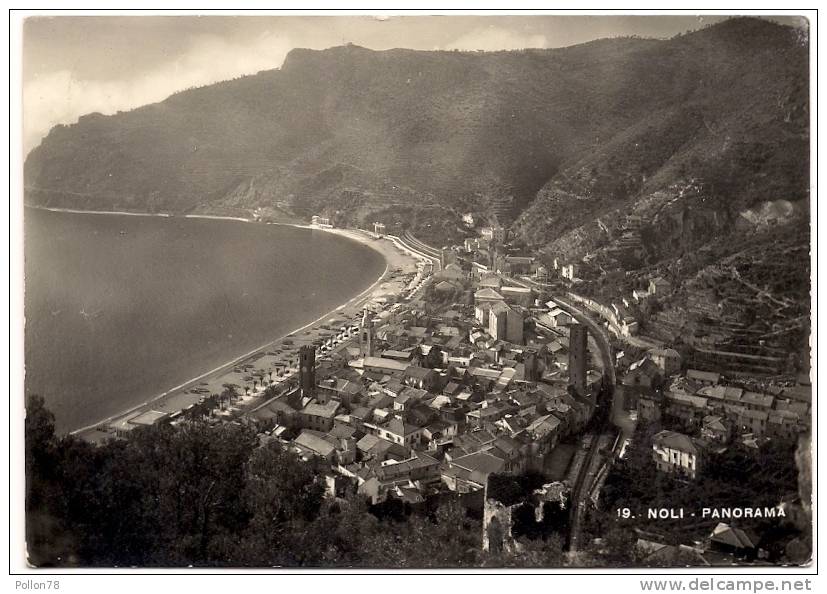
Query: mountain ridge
[(357, 133)]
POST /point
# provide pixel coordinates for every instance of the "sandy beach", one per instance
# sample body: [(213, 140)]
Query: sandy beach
[(275, 360)]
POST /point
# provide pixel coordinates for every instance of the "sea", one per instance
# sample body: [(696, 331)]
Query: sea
[(121, 308)]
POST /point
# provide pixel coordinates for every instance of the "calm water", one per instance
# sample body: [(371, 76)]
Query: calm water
[(120, 308)]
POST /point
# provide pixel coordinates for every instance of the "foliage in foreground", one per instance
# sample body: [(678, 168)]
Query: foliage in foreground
[(210, 497)]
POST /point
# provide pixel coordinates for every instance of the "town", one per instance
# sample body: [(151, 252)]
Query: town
[(484, 366)]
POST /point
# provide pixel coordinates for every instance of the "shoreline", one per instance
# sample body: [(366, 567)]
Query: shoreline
[(224, 367), (387, 249)]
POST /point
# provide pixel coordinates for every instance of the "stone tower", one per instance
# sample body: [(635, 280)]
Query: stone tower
[(307, 370), (531, 365), (578, 341)]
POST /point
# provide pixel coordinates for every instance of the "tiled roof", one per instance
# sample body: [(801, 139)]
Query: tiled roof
[(675, 441), (706, 376), (480, 462), (734, 537), (327, 411), (489, 294), (382, 363), (314, 441)]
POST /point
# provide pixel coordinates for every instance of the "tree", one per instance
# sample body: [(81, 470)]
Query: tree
[(41, 464), (283, 495), (433, 358)]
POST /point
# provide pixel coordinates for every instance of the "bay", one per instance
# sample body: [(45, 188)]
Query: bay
[(121, 308)]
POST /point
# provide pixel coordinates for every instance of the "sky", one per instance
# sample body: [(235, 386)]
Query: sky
[(73, 65)]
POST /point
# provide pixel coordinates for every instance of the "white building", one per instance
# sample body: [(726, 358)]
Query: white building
[(676, 453)]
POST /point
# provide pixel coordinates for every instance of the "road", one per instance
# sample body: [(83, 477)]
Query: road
[(620, 416), (604, 434)]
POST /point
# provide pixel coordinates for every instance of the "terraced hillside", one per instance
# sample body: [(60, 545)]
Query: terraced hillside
[(627, 157)]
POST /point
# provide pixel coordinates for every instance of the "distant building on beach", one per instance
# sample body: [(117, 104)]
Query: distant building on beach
[(320, 221)]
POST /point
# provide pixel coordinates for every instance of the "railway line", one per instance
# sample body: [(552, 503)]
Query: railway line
[(604, 435)]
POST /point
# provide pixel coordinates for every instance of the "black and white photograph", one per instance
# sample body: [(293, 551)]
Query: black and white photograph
[(414, 291)]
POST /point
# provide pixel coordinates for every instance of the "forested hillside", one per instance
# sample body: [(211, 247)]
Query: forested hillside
[(570, 134)]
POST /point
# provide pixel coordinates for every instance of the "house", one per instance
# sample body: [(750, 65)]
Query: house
[(668, 360), (470, 472), (505, 323), (421, 377), (483, 378), (649, 407), (338, 389), (756, 401), (278, 410), (313, 443), (490, 281), (383, 366), (408, 397), (495, 233), (734, 541), (511, 451), (498, 320), (399, 432), (677, 453), (342, 429), (784, 424), (544, 434), (440, 429), (487, 295), (555, 349), (379, 399), (518, 264), (449, 331), (688, 408), (518, 295), (642, 378), (707, 378), (419, 467), (644, 373), (406, 355), (559, 318), (799, 393), (149, 418), (490, 413), (374, 447), (749, 421), (716, 429), (628, 326), (318, 417), (392, 388), (452, 388)]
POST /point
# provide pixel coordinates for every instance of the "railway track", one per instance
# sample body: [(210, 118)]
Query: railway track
[(432, 252)]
